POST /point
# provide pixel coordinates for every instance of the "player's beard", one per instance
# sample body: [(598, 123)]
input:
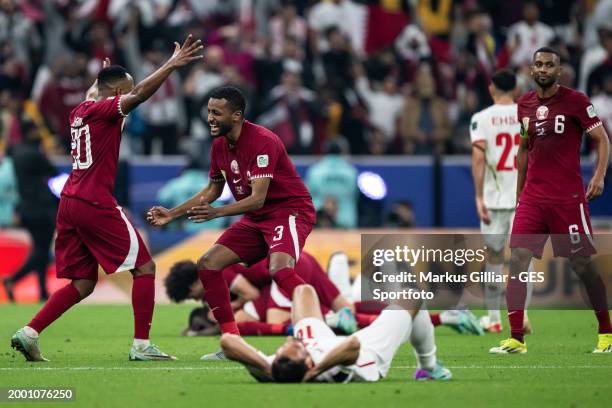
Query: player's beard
[(545, 82), (223, 129)]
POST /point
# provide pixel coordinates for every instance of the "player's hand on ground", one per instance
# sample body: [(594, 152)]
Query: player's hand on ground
[(595, 188), (203, 212), (483, 213), (106, 63), (188, 52), (158, 216), (310, 374)]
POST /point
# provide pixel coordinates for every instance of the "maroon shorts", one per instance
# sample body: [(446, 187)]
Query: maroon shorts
[(568, 225), (253, 240), (88, 235)]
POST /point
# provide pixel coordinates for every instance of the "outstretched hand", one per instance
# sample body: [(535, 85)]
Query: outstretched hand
[(203, 212), (158, 216), (186, 53)]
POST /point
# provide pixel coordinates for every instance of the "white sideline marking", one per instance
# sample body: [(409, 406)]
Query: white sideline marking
[(211, 368)]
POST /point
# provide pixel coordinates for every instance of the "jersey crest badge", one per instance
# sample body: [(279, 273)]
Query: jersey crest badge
[(234, 167), (542, 112)]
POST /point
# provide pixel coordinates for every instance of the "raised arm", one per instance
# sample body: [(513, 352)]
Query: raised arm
[(235, 348), (182, 55), (602, 143), (344, 354)]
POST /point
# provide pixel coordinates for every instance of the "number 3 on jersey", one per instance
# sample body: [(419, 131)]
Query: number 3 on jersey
[(81, 148), (506, 140)]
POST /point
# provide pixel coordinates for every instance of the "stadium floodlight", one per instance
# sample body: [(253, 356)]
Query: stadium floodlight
[(56, 184), (372, 185)]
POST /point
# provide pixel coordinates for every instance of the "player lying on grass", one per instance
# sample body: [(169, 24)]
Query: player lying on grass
[(315, 353), (260, 307), (92, 229)]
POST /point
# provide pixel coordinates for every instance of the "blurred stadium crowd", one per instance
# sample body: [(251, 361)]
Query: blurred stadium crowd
[(388, 76)]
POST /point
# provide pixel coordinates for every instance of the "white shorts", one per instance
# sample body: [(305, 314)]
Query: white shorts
[(379, 343), (497, 232)]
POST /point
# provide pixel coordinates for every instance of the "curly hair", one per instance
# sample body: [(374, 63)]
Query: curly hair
[(178, 282)]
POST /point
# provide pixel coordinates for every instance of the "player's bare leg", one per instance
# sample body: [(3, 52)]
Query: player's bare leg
[(216, 292), (516, 294), (143, 303), (596, 292), (26, 339), (282, 269)]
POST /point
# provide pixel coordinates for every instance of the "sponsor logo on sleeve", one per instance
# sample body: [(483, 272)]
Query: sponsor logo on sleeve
[(262, 160), (591, 111)]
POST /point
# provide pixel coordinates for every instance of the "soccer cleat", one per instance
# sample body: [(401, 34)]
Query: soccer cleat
[(216, 356), (467, 324), (439, 373), (150, 353), (490, 327), (26, 345), (346, 321), (604, 344), (509, 346)]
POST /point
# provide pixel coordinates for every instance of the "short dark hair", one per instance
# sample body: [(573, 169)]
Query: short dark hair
[(286, 370), (234, 97), (178, 282), (548, 50), (109, 75), (504, 80)]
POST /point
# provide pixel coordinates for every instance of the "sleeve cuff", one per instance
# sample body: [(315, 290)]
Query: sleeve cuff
[(119, 107), (258, 176), (593, 126), (218, 179)]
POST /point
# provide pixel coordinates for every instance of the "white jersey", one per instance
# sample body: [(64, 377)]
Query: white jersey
[(499, 128)]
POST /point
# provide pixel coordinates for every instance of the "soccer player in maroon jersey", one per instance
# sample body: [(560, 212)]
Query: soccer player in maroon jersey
[(277, 207), (91, 228), (550, 192)]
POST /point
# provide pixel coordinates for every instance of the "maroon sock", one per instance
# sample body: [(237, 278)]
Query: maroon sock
[(287, 280), (435, 319), (262, 329), (364, 320), (596, 291), (143, 303), (516, 294), (217, 295), (370, 306), (57, 304)]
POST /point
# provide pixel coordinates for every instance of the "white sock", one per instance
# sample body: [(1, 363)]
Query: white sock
[(339, 273), (141, 344), (493, 293), (30, 332), (449, 317), (423, 340)]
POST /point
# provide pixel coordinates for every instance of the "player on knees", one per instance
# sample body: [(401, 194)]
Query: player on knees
[(92, 229), (315, 353), (277, 207)]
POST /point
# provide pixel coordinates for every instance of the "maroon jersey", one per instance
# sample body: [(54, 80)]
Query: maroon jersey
[(259, 153), (95, 127), (554, 128)]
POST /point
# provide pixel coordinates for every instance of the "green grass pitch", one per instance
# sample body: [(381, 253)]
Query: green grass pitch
[(88, 349)]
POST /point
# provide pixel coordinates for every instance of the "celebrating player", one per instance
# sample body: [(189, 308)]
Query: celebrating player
[(495, 134), (91, 228), (550, 192), (317, 354), (278, 210)]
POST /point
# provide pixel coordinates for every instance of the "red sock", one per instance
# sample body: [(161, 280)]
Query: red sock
[(57, 304), (364, 320), (596, 290), (370, 306), (143, 303), (262, 329), (287, 280), (516, 293), (217, 295), (435, 319)]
